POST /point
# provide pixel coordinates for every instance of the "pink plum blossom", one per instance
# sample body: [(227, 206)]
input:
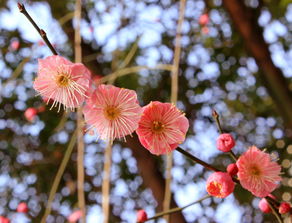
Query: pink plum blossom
[(62, 81), (141, 216), (162, 127), (257, 172), (225, 142), (220, 184), (113, 112)]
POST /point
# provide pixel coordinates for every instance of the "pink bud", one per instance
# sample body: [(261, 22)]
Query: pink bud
[(22, 207), (15, 45), (220, 184), (204, 19), (41, 109), (264, 206), (225, 142), (141, 216), (41, 43), (232, 169), (91, 29), (75, 216), (4, 220), (30, 114), (284, 208)]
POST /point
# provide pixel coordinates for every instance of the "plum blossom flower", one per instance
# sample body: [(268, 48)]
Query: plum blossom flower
[(257, 172), (22, 207), (62, 81), (162, 127), (113, 112), (220, 184), (141, 216), (225, 142)]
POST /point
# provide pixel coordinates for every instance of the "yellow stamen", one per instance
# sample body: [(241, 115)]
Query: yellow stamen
[(111, 112), (157, 127)]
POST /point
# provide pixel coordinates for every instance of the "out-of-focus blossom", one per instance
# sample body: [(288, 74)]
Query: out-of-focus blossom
[(64, 82), (162, 127), (113, 112), (232, 169), (75, 216), (204, 19), (141, 216), (225, 142), (30, 114), (220, 184), (257, 172), (22, 207), (4, 220), (15, 45)]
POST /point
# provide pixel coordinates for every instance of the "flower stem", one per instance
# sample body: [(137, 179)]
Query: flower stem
[(173, 210), (274, 210), (40, 31)]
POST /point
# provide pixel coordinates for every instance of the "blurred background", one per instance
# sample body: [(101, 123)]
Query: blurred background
[(236, 58)]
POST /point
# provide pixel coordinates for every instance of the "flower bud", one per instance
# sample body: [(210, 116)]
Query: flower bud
[(30, 114), (264, 206), (232, 169), (220, 184), (225, 142), (284, 208), (4, 220), (22, 207), (141, 216), (204, 19)]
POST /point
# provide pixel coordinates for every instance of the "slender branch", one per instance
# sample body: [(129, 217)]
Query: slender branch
[(274, 210), (197, 160), (106, 182), (174, 94), (40, 31), (59, 176), (80, 122), (173, 210)]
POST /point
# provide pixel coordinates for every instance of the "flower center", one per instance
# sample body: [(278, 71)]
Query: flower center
[(157, 127), (111, 112), (215, 188), (255, 171), (62, 80)]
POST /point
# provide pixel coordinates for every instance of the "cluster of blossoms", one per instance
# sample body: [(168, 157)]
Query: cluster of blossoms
[(110, 111), (113, 112)]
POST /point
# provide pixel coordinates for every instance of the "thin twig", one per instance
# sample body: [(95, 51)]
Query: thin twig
[(40, 31), (59, 176), (274, 210), (80, 122), (174, 93), (173, 210), (106, 182)]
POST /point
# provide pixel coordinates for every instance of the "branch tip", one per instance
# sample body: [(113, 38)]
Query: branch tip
[(20, 7)]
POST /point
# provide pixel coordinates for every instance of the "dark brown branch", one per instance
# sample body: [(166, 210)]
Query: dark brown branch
[(245, 21), (40, 31)]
